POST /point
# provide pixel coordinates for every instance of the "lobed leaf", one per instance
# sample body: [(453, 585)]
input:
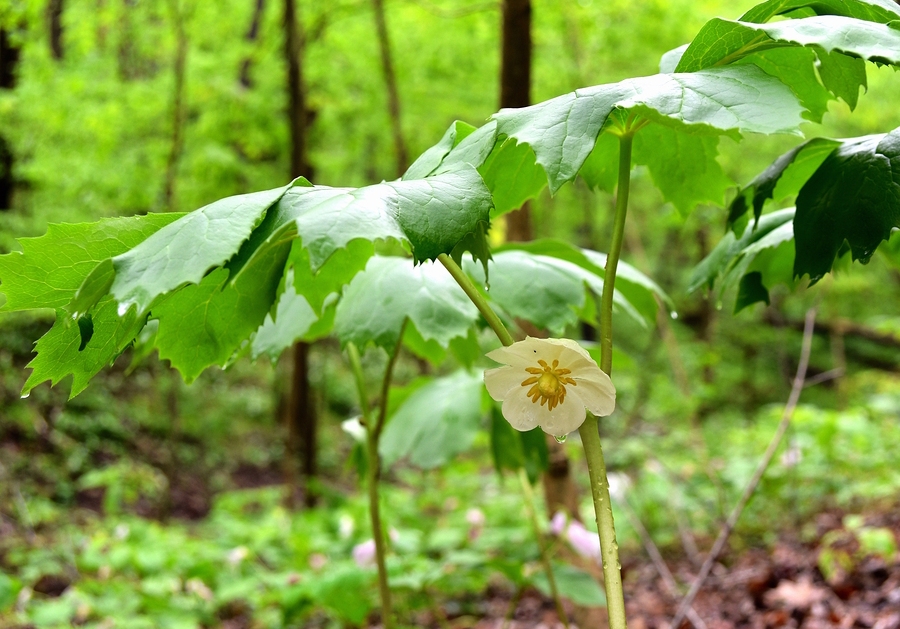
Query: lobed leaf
[(882, 11), (435, 423), (391, 290)]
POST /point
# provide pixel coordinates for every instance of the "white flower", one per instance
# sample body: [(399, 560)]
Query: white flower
[(548, 383)]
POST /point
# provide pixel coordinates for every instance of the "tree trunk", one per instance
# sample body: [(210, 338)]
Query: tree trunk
[(515, 89), (252, 34), (300, 417), (55, 27), (178, 106), (390, 80), (9, 58)]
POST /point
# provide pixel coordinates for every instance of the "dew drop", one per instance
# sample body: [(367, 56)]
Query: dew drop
[(487, 287), (673, 314), (76, 316), (561, 438), (25, 395), (718, 305), (123, 308)]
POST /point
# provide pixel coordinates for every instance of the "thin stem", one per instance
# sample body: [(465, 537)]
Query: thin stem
[(477, 298), (542, 547), (373, 473), (750, 489)]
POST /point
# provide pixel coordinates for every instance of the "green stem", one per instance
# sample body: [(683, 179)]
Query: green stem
[(477, 298), (590, 429), (545, 557), (373, 473)]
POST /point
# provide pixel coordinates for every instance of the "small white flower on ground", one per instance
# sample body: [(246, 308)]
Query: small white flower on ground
[(548, 383), (345, 526), (583, 542), (364, 553), (237, 555), (475, 517)]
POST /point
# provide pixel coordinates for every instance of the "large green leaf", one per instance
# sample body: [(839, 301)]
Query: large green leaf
[(854, 198), (872, 10), (428, 161), (436, 422), (723, 41), (562, 131), (637, 288), (549, 292), (391, 290), (782, 179), (50, 268), (761, 257), (184, 251)]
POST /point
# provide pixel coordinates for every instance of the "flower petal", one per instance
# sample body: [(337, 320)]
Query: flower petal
[(502, 380), (521, 413), (596, 391), (569, 344), (522, 353), (566, 417)]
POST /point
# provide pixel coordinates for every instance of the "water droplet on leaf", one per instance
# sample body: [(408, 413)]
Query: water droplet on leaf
[(673, 314), (25, 395), (561, 438), (123, 308)]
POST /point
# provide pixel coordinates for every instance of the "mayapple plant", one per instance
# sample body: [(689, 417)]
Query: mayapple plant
[(256, 272)]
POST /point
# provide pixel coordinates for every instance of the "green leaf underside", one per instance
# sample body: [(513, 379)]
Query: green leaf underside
[(294, 320), (783, 178), (184, 251), (853, 197), (49, 270), (436, 422), (546, 291), (562, 131), (59, 354), (771, 230), (574, 584), (429, 161), (390, 290), (723, 41), (641, 291), (513, 176), (872, 10)]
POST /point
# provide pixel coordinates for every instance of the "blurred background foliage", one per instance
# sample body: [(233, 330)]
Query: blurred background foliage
[(153, 503)]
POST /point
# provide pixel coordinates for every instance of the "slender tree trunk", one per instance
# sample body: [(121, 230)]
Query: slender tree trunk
[(178, 105), (390, 80), (251, 36), (515, 88), (126, 54), (301, 418), (9, 58), (55, 27)]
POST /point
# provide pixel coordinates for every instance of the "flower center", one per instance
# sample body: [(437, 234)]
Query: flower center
[(548, 384)]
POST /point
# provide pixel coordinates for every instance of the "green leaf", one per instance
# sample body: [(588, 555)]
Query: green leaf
[(873, 10), (512, 175), (63, 351), (751, 290), (853, 198), (184, 251), (795, 66), (635, 287), (563, 131), (429, 161), (49, 270), (330, 278), (601, 168), (574, 584), (726, 41), (513, 450), (782, 179), (293, 319), (390, 290), (205, 324), (436, 422)]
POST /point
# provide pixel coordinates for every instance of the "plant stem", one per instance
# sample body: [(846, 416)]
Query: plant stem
[(373, 472), (477, 298), (590, 429), (542, 547)]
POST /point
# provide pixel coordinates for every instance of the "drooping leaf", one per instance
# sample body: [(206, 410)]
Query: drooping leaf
[(294, 319), (63, 351), (761, 257), (782, 179), (549, 292), (562, 131), (436, 422), (882, 11), (185, 250), (854, 198), (512, 175), (390, 290), (601, 168), (50, 268), (429, 161), (637, 288)]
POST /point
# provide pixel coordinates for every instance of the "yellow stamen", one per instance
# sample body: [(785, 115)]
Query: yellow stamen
[(548, 384)]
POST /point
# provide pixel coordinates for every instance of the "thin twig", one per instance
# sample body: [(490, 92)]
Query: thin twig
[(831, 374), (658, 561), (799, 380)]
